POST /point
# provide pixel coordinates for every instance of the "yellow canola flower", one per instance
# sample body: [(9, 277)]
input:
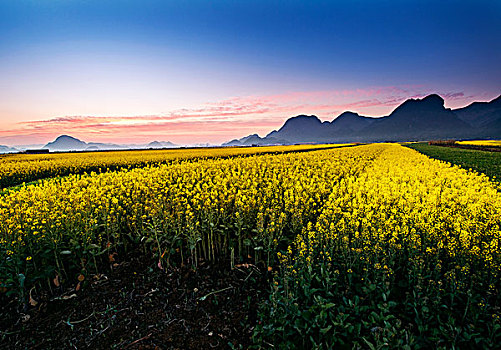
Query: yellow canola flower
[(365, 200), (406, 200), (491, 143), (191, 199), (18, 168)]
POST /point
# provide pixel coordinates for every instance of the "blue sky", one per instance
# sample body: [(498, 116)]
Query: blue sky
[(148, 59)]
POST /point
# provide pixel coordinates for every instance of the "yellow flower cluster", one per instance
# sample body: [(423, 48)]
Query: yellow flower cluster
[(211, 206), (490, 143), (347, 202), (407, 201), (18, 168)]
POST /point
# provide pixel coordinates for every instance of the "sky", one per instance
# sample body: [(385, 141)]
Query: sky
[(210, 71)]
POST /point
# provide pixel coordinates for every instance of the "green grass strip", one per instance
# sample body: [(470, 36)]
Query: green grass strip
[(485, 162)]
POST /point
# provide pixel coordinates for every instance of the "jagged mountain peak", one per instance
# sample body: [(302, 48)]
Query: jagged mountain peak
[(415, 119), (430, 102), (433, 99), (347, 115)]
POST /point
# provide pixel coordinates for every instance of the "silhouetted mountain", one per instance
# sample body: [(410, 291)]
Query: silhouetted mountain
[(303, 128), (350, 122), (418, 119), (234, 142), (7, 149), (255, 140), (483, 115), (310, 129), (413, 120), (66, 143), (161, 144), (22, 148), (105, 146), (251, 139)]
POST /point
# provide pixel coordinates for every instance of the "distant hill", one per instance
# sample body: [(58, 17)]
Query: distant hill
[(419, 119), (7, 149), (303, 128), (161, 144), (255, 140), (104, 146), (483, 115), (65, 143), (349, 122), (413, 120)]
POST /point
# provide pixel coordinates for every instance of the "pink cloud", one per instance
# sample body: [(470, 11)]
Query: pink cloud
[(222, 120)]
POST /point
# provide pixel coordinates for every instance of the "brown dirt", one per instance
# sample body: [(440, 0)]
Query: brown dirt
[(138, 306)]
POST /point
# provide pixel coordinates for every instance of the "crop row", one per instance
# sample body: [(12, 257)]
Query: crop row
[(378, 245), (487, 143), (19, 168), (205, 208), (405, 254)]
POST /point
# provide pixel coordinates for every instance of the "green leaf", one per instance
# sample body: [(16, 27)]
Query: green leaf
[(326, 329)]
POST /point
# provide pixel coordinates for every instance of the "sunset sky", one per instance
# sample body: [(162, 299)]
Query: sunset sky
[(210, 71)]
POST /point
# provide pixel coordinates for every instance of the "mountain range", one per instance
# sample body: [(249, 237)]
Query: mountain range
[(413, 120), (7, 149), (65, 143), (69, 143)]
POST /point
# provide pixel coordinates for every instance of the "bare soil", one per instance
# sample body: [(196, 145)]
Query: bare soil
[(136, 305)]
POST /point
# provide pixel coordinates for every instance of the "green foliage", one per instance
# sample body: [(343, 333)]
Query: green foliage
[(349, 304), (485, 162)]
